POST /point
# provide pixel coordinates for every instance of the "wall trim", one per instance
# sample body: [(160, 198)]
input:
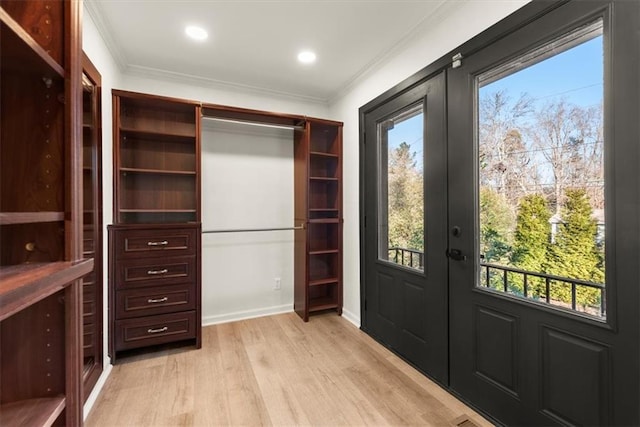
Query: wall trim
[(246, 314), (102, 24), (351, 317), (97, 389)]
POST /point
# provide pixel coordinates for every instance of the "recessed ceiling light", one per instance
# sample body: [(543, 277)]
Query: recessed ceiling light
[(196, 33), (307, 57)]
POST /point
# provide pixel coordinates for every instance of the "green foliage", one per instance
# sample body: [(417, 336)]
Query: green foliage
[(496, 224), (574, 253), (531, 240), (406, 200)]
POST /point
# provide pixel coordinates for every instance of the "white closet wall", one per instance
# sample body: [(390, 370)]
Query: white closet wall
[(247, 182)]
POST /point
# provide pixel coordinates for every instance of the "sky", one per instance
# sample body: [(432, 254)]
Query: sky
[(575, 75)]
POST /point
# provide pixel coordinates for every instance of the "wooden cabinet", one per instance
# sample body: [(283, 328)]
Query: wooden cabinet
[(155, 285), (155, 243), (318, 205), (41, 213), (156, 159)]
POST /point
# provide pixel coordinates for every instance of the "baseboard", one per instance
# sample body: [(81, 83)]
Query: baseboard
[(351, 317), (88, 405), (247, 314)]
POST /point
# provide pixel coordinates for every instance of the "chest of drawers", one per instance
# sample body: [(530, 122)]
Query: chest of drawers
[(154, 285)]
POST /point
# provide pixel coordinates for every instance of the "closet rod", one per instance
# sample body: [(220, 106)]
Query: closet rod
[(245, 122), (248, 230)]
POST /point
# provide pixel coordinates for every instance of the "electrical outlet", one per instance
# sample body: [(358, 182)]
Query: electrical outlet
[(276, 286)]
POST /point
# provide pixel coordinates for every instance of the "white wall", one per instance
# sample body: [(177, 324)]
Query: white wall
[(96, 50), (247, 183), (457, 23)]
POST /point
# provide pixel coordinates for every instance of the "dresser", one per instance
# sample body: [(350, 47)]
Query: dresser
[(155, 285)]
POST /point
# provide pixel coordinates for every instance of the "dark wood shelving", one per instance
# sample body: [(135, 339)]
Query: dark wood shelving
[(323, 154), (325, 281), (318, 268), (173, 136), (158, 210), (32, 412), (157, 171), (7, 218), (324, 251), (23, 285), (22, 53), (41, 191)]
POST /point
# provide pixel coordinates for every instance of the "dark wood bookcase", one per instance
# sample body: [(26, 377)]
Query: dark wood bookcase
[(157, 159), (318, 204), (154, 260), (41, 253)]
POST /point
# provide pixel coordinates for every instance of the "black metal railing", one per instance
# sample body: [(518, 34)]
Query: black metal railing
[(408, 257), (546, 288)]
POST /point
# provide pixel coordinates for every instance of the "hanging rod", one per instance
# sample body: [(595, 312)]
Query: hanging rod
[(249, 230), (246, 122)]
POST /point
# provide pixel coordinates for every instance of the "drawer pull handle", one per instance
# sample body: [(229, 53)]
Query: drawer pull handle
[(154, 272), (163, 243), (156, 331), (153, 301)]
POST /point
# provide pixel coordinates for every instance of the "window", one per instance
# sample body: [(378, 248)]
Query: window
[(401, 211), (541, 173)]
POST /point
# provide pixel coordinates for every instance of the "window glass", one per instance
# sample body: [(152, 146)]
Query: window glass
[(541, 174), (401, 188)]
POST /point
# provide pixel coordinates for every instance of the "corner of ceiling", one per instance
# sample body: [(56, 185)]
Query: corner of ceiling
[(444, 8), (101, 22)]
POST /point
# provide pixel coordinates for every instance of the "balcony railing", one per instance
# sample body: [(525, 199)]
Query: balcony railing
[(579, 295), (408, 257)]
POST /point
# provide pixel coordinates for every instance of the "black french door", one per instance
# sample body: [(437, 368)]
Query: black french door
[(406, 295), (516, 314)]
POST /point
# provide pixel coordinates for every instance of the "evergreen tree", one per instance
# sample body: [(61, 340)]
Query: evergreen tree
[(574, 253), (496, 225), (531, 240)]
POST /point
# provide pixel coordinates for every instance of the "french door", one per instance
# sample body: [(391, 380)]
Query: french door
[(406, 295), (529, 292)]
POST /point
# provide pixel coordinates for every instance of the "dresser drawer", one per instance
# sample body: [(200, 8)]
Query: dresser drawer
[(155, 300), (155, 272), (152, 330), (138, 243)]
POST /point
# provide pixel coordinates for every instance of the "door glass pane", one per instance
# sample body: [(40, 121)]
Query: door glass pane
[(401, 188), (541, 174)]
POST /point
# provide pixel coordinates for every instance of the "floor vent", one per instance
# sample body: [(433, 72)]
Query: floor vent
[(464, 422)]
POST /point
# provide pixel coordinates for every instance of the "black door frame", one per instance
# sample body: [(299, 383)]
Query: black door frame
[(624, 316)]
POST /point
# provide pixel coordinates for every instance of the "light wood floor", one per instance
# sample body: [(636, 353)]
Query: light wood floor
[(277, 371)]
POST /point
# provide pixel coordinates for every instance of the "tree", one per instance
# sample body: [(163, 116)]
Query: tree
[(531, 239), (496, 224), (406, 200), (574, 253)]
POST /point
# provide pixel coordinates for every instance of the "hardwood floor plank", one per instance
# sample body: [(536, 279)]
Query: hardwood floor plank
[(277, 371)]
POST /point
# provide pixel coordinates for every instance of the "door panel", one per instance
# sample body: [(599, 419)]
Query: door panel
[(406, 298), (544, 357)]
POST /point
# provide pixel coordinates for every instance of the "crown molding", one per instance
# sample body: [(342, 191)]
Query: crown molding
[(101, 22), (141, 71), (444, 9)]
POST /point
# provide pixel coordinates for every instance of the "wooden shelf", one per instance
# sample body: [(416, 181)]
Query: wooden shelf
[(157, 171), (32, 412), (324, 221), (20, 52), (323, 178), (23, 285), (326, 281), (323, 154), (7, 218), (325, 303), (157, 210), (324, 251), (172, 136)]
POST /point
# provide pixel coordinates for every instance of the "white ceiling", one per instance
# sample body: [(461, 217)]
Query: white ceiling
[(254, 44)]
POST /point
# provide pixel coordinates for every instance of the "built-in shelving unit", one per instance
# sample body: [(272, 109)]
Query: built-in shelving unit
[(318, 251), (40, 213)]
